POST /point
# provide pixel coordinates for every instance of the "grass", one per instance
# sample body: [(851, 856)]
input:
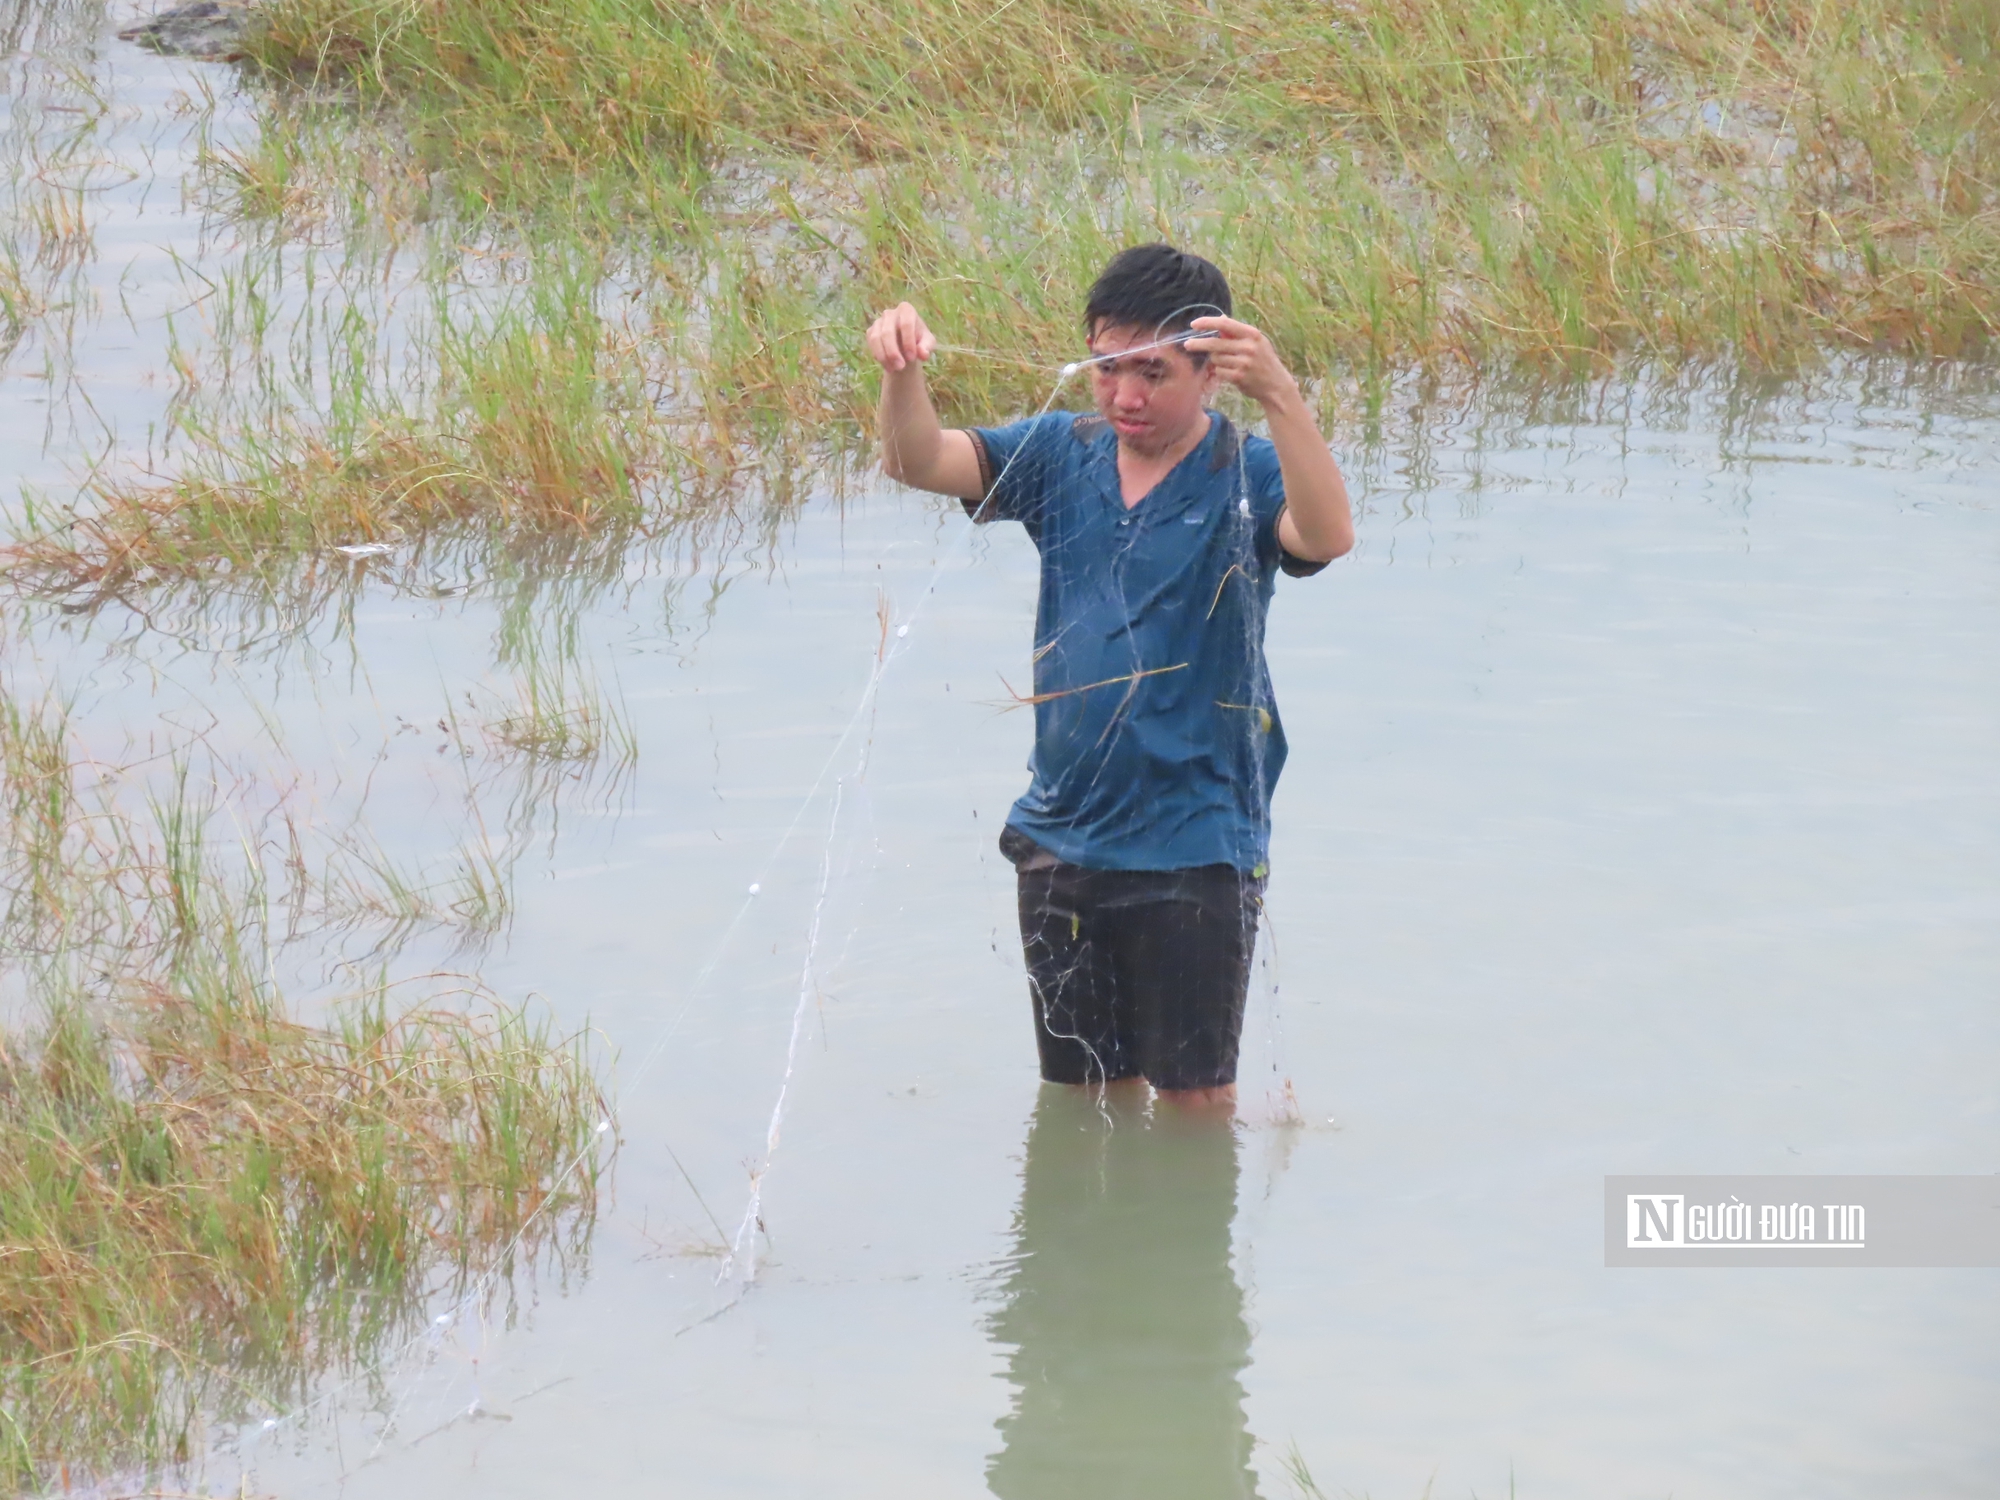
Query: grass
[(527, 428), (559, 715), (52, 166), (209, 1203), (533, 405), (1393, 180), (695, 209)]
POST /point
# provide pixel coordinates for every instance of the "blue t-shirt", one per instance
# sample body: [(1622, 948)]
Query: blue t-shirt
[(1157, 741)]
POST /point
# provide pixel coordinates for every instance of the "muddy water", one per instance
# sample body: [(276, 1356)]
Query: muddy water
[(1641, 817)]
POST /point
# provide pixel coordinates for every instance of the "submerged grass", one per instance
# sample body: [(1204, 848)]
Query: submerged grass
[(549, 405), (207, 1202), (50, 167), (558, 715), (526, 423)]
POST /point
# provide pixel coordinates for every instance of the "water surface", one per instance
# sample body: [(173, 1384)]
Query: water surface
[(1640, 817)]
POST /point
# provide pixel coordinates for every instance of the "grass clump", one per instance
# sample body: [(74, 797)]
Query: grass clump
[(559, 716), (209, 1203), (704, 203), (570, 401), (1568, 178), (526, 423)]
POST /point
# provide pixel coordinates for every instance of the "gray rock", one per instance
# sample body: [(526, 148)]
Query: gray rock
[(212, 30)]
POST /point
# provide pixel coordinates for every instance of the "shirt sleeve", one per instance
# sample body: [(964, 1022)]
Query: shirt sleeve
[(1014, 467), (1267, 506)]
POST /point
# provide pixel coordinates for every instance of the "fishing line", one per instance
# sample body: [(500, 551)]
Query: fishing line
[(1280, 1097), (740, 1264), (743, 1248), (1075, 367), (993, 356)]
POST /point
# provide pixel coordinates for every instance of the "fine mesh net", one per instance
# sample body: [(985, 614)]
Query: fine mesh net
[(434, 1381)]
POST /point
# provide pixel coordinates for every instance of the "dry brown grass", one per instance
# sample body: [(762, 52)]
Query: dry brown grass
[(210, 1204)]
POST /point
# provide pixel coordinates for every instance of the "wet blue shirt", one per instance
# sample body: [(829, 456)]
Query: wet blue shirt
[(1157, 742)]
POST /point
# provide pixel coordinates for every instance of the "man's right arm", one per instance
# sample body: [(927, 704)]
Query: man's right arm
[(916, 449)]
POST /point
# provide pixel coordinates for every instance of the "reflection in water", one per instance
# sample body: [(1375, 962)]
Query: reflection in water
[(1124, 1317)]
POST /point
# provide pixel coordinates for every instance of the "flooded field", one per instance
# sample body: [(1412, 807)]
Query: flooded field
[(1641, 816)]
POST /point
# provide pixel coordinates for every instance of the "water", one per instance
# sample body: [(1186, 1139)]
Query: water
[(1641, 817)]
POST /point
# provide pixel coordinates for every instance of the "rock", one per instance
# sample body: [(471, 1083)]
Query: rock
[(212, 30)]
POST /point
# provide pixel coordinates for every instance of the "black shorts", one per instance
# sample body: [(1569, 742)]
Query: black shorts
[(1136, 973)]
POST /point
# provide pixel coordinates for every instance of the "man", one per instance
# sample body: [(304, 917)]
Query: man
[(1141, 844)]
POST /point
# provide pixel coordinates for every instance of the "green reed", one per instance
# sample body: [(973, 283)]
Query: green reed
[(1551, 177)]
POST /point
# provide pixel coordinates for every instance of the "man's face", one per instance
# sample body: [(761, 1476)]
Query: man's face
[(1152, 399)]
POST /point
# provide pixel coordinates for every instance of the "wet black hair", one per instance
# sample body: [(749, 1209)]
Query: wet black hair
[(1156, 288)]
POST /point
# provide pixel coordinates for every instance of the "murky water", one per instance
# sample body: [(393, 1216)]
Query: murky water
[(1641, 816)]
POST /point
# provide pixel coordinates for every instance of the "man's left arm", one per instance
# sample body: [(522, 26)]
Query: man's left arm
[(1317, 524)]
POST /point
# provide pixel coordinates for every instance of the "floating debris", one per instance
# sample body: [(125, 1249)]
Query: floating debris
[(211, 30), (365, 549)]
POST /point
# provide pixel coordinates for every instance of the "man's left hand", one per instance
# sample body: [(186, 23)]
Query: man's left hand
[(1242, 356)]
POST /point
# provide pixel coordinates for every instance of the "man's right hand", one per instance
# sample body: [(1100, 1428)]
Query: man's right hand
[(898, 339), (915, 449)]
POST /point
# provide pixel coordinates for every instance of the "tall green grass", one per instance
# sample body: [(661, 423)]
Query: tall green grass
[(700, 205), (1461, 180)]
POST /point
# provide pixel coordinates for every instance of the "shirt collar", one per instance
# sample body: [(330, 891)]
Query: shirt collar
[(1186, 483)]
